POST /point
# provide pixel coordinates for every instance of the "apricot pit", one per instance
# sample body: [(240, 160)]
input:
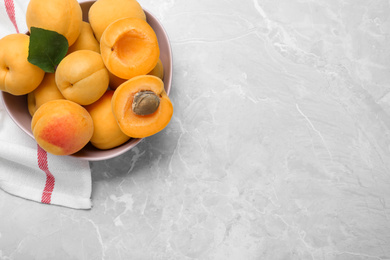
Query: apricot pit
[(141, 106), (145, 103)]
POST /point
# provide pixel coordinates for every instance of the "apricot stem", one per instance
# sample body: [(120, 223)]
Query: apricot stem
[(145, 103)]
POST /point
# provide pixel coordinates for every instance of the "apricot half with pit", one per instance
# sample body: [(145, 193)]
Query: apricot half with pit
[(62, 127), (141, 106), (82, 77), (17, 75), (129, 48)]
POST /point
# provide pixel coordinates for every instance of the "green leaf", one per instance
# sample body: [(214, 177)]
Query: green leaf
[(46, 49)]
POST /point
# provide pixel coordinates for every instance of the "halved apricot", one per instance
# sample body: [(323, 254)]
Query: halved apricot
[(141, 106), (129, 48)]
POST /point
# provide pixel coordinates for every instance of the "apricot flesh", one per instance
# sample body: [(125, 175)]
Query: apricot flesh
[(17, 75), (61, 16), (140, 126), (86, 40), (46, 91), (129, 48), (62, 127), (104, 12), (82, 77), (106, 134)]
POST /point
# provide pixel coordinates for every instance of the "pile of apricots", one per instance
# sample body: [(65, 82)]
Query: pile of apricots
[(106, 90)]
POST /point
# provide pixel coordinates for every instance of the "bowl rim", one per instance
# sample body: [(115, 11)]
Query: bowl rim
[(121, 149)]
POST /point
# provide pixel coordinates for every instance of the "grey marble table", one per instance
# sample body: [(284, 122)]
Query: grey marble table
[(279, 147)]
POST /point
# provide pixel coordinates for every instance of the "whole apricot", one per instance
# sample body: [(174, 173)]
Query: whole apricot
[(141, 106), (17, 75), (103, 12), (62, 127), (157, 71), (82, 77), (115, 81), (61, 16), (86, 40), (106, 133), (46, 91), (129, 48)]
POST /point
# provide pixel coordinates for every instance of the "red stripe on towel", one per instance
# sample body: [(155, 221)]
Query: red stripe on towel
[(10, 8), (50, 180)]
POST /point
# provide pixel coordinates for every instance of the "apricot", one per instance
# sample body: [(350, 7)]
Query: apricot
[(157, 71), (115, 81), (82, 77), (103, 12), (106, 133), (61, 16), (17, 75), (62, 127), (86, 40), (129, 48), (46, 91), (141, 106)]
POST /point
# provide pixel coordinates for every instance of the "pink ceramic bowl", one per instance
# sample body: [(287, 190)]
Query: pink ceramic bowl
[(16, 106)]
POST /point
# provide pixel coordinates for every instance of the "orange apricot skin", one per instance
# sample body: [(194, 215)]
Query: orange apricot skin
[(86, 40), (46, 91), (115, 81), (129, 48), (157, 71), (82, 77), (17, 75), (106, 134), (61, 16), (62, 127), (135, 125), (104, 12)]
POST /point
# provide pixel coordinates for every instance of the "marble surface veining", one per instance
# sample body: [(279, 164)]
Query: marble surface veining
[(279, 146)]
